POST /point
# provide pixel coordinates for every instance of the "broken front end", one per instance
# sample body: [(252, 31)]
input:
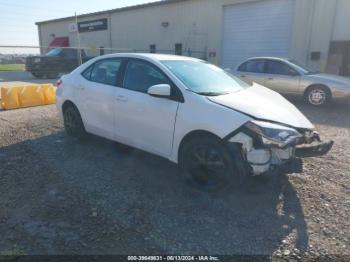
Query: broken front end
[(269, 146)]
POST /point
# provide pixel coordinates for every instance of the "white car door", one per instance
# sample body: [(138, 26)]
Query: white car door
[(96, 97), (144, 121)]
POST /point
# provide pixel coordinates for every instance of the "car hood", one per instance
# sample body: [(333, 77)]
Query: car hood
[(330, 78), (264, 104)]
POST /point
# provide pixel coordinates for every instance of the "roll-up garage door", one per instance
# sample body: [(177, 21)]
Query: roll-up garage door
[(262, 28)]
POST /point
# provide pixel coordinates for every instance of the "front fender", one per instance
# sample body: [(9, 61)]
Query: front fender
[(200, 114)]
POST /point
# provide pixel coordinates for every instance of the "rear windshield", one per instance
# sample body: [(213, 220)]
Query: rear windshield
[(54, 52)]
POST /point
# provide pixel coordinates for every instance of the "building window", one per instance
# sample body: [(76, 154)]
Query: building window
[(153, 49), (178, 49)]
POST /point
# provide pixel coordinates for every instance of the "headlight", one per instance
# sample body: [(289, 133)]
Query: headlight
[(274, 134)]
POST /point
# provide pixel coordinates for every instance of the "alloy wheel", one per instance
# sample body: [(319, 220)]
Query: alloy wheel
[(206, 166), (317, 97)]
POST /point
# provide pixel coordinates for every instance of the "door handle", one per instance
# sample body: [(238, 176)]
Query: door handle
[(80, 87), (243, 76), (270, 78), (121, 98)]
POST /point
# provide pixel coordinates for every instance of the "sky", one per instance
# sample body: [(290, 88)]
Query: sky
[(18, 17)]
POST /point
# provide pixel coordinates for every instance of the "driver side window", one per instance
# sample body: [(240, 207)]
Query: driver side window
[(279, 68), (140, 76)]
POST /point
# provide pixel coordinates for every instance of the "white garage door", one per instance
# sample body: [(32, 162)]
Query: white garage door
[(262, 28)]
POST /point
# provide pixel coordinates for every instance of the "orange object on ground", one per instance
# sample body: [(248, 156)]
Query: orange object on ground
[(27, 95)]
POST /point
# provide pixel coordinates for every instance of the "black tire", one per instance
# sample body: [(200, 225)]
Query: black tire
[(73, 123), (209, 164), (37, 75), (318, 96)]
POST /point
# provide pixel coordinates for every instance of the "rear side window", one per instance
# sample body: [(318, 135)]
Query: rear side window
[(140, 76), (252, 66), (87, 72), (104, 72), (242, 67)]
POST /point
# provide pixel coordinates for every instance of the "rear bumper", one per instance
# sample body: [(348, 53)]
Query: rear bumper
[(59, 104)]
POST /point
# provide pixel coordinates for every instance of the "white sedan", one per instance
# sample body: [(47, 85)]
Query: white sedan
[(219, 129)]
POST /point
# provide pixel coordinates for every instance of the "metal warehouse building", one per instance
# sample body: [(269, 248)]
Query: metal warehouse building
[(225, 32)]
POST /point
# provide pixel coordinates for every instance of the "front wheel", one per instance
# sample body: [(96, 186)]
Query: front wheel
[(73, 123), (318, 96), (209, 165)]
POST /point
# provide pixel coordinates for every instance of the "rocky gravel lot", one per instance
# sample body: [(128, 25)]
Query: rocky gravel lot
[(61, 197)]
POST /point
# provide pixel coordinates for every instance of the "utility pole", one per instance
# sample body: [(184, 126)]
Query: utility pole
[(80, 59)]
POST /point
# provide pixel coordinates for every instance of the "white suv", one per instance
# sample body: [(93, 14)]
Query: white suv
[(218, 128)]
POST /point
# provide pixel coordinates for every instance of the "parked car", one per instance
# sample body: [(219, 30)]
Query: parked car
[(216, 127), (289, 78), (55, 62)]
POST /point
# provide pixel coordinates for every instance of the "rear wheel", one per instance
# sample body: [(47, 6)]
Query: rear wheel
[(318, 96), (73, 123), (208, 164)]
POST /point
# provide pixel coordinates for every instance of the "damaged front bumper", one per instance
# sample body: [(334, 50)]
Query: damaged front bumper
[(318, 149), (262, 158)]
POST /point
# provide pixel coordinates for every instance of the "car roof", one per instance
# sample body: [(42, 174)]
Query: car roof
[(269, 57), (283, 59), (157, 57)]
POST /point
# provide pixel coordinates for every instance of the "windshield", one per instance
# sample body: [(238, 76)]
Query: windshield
[(302, 68), (204, 78), (54, 52)]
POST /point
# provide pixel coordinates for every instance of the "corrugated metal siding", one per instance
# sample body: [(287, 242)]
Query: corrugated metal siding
[(137, 28), (257, 29), (187, 25)]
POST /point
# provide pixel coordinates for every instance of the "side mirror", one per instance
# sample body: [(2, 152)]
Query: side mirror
[(162, 90)]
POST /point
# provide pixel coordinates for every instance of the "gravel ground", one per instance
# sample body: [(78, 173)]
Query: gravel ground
[(60, 197)]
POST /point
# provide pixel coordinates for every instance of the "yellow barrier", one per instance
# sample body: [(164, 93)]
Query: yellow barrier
[(13, 97), (49, 94)]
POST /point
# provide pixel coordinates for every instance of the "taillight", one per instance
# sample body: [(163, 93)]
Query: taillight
[(59, 83)]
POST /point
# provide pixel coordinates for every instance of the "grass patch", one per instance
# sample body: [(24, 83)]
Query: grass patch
[(12, 67)]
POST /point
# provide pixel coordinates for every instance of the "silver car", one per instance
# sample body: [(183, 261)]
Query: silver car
[(289, 78)]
